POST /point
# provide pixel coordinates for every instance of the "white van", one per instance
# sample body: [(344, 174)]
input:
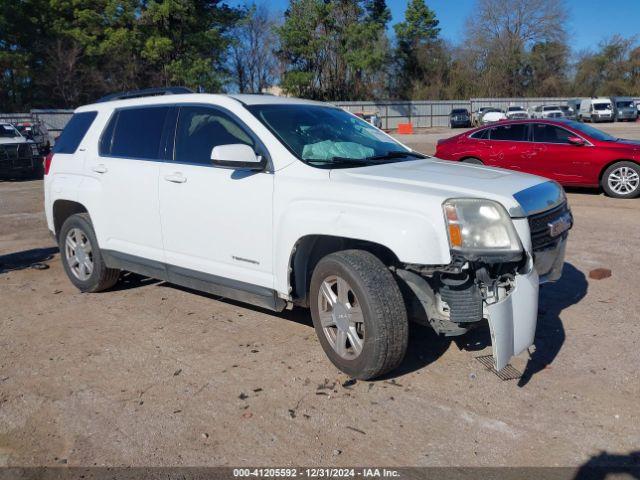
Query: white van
[(596, 110)]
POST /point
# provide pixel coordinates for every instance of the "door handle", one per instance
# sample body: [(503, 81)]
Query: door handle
[(175, 178), (100, 168)]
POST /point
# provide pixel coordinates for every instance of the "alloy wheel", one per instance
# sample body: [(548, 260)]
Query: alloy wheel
[(79, 254), (341, 317), (623, 180)]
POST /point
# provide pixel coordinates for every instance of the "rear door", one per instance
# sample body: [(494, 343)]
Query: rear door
[(551, 154), (127, 169), (508, 145), (216, 222)]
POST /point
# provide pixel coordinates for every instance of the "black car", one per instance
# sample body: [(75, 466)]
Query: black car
[(459, 117), (36, 132)]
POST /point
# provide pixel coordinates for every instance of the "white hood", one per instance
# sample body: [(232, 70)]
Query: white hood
[(442, 179)]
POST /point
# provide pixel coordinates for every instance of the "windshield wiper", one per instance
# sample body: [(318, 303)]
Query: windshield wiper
[(397, 154), (340, 161)]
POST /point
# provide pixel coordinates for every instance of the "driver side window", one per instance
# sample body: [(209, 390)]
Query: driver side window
[(200, 129)]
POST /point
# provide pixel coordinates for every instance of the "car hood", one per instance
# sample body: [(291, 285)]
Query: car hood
[(12, 140), (442, 179)]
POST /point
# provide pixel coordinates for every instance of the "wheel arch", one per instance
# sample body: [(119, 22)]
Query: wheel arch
[(310, 249), (613, 162), (63, 209)]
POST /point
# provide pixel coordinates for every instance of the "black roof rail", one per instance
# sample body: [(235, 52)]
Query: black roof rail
[(147, 92)]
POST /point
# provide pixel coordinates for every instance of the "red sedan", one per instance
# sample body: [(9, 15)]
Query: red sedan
[(572, 153)]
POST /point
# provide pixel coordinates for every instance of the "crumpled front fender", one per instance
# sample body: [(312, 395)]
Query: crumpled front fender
[(513, 319)]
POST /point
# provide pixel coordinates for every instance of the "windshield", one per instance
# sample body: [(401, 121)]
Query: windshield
[(516, 109), (601, 106), (549, 108), (459, 111), (7, 131), (329, 137), (591, 131), (624, 104)]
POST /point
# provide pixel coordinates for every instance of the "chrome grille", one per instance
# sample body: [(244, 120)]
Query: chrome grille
[(540, 230)]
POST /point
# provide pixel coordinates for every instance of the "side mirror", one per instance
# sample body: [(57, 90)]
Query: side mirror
[(237, 156), (575, 141)]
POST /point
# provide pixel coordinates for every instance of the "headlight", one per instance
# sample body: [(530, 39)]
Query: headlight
[(479, 226)]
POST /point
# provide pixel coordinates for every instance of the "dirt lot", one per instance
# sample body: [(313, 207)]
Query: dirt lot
[(152, 374)]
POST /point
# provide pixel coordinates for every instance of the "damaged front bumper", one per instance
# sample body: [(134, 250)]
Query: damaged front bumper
[(504, 294)]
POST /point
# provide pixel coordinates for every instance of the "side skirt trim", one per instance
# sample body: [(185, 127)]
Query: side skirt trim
[(204, 282)]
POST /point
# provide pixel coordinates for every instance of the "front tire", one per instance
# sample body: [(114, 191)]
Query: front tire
[(622, 180), (81, 256), (359, 314)]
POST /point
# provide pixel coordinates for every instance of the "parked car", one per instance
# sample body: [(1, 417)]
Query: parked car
[(567, 112), (516, 112), (624, 109), (547, 111), (279, 202), (492, 115), (596, 110), (38, 133), (476, 117), (370, 117), (19, 156), (459, 117), (569, 152)]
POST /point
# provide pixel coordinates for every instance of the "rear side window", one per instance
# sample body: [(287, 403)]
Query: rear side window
[(550, 134), (134, 133), (514, 133), (74, 132)]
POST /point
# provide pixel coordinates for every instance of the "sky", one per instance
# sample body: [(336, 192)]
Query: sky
[(591, 21)]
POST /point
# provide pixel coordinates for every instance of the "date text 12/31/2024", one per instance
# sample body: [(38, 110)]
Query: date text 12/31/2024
[(315, 472)]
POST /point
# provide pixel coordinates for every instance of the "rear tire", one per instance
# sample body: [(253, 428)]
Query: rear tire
[(359, 314), (81, 256), (473, 161), (622, 180)]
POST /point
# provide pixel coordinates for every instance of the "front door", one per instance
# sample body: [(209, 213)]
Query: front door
[(216, 222), (551, 155)]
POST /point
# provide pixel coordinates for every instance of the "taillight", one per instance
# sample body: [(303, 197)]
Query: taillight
[(47, 163)]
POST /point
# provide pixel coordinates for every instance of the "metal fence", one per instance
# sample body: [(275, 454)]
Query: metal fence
[(53, 120), (435, 113)]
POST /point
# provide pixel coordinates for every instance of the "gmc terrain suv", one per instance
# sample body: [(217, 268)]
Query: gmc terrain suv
[(282, 202)]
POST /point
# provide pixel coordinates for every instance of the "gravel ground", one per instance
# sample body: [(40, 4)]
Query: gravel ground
[(153, 374)]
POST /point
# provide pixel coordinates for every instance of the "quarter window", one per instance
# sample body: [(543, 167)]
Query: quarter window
[(200, 129), (514, 133), (135, 133), (74, 132), (544, 133), (481, 135)]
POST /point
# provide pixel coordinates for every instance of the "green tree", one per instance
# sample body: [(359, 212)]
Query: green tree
[(419, 50), (334, 49)]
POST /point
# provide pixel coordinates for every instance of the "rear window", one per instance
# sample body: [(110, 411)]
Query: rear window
[(134, 133), (74, 132)]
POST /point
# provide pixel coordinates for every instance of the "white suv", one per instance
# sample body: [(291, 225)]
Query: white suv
[(282, 202)]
